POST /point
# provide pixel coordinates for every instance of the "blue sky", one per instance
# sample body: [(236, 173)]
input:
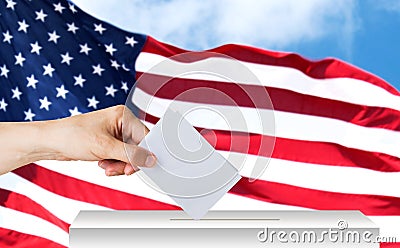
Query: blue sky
[(365, 33)]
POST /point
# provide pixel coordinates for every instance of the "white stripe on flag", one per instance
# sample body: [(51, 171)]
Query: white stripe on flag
[(343, 89), (288, 125), (321, 177), (50, 200), (90, 172), (22, 222)]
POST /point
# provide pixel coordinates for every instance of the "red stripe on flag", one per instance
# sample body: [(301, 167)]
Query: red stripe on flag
[(24, 204), (390, 245), (326, 68), (260, 190), (88, 192), (255, 96), (14, 239), (314, 152), (316, 199)]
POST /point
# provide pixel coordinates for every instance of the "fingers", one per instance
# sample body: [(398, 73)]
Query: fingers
[(116, 168), (131, 154), (133, 129), (112, 167), (127, 158), (140, 156), (124, 151), (129, 170)]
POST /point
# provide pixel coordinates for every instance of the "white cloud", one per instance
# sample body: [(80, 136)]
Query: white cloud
[(389, 5), (208, 23)]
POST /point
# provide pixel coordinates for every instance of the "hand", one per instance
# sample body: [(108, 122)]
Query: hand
[(95, 136), (98, 136)]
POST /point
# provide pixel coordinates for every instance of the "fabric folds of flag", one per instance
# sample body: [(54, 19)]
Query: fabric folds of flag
[(337, 126)]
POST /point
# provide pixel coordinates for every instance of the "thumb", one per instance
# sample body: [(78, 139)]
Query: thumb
[(132, 154)]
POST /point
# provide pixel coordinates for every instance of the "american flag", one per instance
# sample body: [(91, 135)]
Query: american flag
[(337, 126)]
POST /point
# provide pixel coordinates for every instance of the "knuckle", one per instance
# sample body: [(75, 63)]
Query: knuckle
[(119, 110)]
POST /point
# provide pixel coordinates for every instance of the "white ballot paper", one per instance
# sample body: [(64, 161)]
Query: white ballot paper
[(188, 168)]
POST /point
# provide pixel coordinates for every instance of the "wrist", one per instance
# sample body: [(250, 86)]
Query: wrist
[(26, 143), (38, 147), (46, 141)]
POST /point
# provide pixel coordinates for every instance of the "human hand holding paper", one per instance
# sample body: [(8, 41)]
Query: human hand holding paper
[(94, 136)]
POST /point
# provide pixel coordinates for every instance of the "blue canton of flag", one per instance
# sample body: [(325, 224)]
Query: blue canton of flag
[(57, 61)]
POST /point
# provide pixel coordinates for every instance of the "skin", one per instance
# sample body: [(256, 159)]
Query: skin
[(95, 136)]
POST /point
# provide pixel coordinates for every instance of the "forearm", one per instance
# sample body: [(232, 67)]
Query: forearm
[(24, 143)]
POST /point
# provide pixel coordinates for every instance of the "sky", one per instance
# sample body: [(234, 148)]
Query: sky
[(365, 33)]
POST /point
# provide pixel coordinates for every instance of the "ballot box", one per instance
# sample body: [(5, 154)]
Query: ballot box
[(223, 229)]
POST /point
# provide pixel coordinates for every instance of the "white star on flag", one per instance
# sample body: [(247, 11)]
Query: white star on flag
[(58, 7), (72, 8), (3, 105), (10, 4), (40, 15), (99, 28), (44, 103), (7, 37), (79, 80), (16, 93), (19, 60), (110, 49), (53, 37), (124, 87), (110, 90), (85, 49), (23, 26), (48, 70), (4, 71), (72, 28), (35, 48), (61, 91), (115, 64), (29, 115), (97, 69), (74, 111), (66, 58), (92, 102), (32, 81), (130, 41)]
